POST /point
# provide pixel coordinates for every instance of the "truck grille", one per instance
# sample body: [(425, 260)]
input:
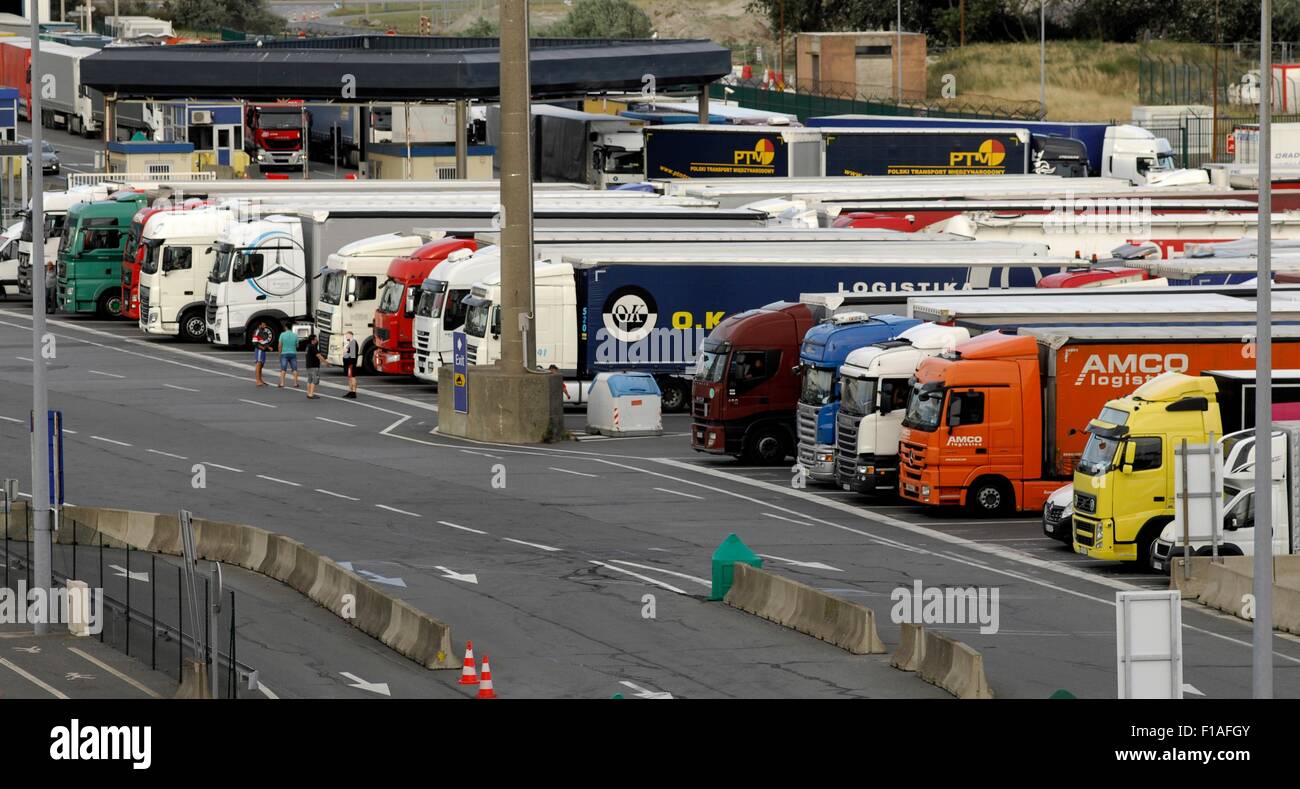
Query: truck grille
[(911, 459), (422, 342), (807, 424), (211, 311), (24, 273), (846, 445), (324, 319), (280, 145), (699, 408), (1084, 533), (471, 354), (1085, 502), (1053, 512), (144, 303)]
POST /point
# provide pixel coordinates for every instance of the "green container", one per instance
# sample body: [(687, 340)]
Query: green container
[(731, 550)]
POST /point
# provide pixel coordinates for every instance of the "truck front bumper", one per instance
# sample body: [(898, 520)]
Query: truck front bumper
[(867, 474), (1095, 538), (395, 362), (818, 461), (711, 437)]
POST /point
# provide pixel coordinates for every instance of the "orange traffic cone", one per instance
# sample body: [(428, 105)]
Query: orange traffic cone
[(467, 675), (485, 685)]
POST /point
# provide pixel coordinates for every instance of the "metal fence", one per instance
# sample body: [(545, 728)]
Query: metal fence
[(90, 179), (804, 104), (145, 601), (1198, 140), (1175, 79)]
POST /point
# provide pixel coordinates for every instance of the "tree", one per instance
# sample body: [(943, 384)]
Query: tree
[(248, 15), (602, 19), (483, 28)]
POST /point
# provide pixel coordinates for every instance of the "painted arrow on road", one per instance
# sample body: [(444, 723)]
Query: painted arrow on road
[(452, 575), (1188, 688), (379, 579), (642, 693), (373, 687), (121, 573), (797, 563)]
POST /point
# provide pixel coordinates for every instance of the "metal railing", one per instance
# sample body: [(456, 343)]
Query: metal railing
[(90, 179)]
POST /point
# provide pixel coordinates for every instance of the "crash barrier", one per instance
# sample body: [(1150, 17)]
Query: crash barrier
[(953, 666), (800, 607), (401, 626), (1229, 589), (911, 648), (1194, 582), (194, 682)]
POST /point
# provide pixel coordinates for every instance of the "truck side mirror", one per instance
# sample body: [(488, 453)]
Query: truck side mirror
[(1130, 455), (352, 290)]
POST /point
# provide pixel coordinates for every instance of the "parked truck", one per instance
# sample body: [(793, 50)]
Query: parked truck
[(176, 253), (602, 151), (273, 134), (999, 423), (65, 106), (346, 129), (709, 151), (90, 254), (393, 350), (919, 151), (55, 214)]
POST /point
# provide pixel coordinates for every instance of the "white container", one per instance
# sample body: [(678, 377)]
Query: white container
[(625, 404)]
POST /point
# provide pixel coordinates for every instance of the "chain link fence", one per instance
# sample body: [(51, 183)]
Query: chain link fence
[(1178, 79), (1198, 140)]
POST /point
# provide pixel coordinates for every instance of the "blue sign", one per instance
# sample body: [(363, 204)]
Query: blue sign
[(55, 437), (459, 394)]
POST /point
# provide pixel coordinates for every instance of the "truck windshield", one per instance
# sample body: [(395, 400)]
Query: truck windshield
[(27, 227), (818, 386), (1098, 454), (132, 240), (624, 162), (221, 264), (478, 317), (65, 241), (429, 304), (390, 301), (923, 408), (332, 289), (455, 310), (858, 395), (711, 366), (284, 119), (152, 247)]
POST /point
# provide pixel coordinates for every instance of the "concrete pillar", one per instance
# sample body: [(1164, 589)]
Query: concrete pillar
[(462, 139), (703, 104)]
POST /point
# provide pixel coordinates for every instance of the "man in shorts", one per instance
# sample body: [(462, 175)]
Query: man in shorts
[(288, 355), (259, 361), (312, 362), (350, 353)]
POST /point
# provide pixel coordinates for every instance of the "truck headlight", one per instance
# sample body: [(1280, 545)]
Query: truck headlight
[(71, 290), (925, 491), (155, 315)]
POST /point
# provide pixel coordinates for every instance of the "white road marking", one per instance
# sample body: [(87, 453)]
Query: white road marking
[(783, 518), (667, 572), (267, 692), (679, 493), (69, 432), (642, 693), (645, 578), (111, 441), (166, 454), (578, 473), (254, 402), (223, 468), (484, 454), (798, 563), (401, 512), (373, 687), (181, 388), (128, 680), (277, 479), (335, 421), (11, 419), (32, 679), (25, 358), (530, 544), (452, 575), (336, 495), (109, 375), (462, 528)]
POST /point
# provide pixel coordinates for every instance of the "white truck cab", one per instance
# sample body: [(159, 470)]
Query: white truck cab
[(1135, 154), (874, 384), (177, 259), (556, 322), (440, 308), (258, 280), (55, 211), (349, 288)]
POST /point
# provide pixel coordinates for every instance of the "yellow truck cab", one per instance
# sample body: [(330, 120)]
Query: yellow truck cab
[(1124, 481)]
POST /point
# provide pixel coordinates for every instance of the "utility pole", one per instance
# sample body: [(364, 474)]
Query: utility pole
[(963, 23), (516, 187), (1042, 56), (42, 571), (1262, 629), (780, 64), (899, 51)]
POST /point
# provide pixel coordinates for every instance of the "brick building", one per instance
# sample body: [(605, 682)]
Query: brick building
[(862, 63)]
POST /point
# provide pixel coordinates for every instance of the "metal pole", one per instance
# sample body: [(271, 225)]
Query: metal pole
[(44, 573), (153, 606), (462, 139), (1262, 631), (406, 108), (128, 600), (1042, 56), (780, 65), (702, 104), (516, 187), (898, 55), (302, 138), (180, 622)]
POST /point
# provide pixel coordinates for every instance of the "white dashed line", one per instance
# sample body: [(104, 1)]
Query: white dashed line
[(109, 375), (336, 495), (679, 493), (24, 358), (662, 570), (254, 402), (401, 512), (783, 518), (335, 421), (462, 528), (11, 419), (69, 432), (277, 479), (111, 441), (166, 454), (530, 544), (181, 388), (223, 468), (484, 454), (578, 473), (645, 578)]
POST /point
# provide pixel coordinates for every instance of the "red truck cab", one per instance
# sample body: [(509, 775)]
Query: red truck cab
[(273, 134), (1089, 277), (394, 352), (744, 393), (904, 221)]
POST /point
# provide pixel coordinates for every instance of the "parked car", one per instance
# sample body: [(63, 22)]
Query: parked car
[(49, 158)]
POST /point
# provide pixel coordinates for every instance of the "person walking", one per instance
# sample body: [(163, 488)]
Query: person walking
[(259, 361), (350, 353), (313, 361), (288, 355), (51, 287)]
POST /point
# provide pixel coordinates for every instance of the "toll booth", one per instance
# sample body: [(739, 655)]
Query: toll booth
[(154, 159), (428, 162), (215, 130), (8, 114)]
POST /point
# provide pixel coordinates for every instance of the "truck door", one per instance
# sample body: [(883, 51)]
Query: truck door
[(965, 445), (1142, 483), (749, 388)]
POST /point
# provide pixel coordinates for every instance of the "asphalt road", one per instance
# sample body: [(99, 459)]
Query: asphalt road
[(565, 542)]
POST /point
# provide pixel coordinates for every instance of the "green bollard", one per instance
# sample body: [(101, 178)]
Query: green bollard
[(731, 550), (1062, 694)]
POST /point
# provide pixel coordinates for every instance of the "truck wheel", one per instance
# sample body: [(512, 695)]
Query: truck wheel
[(675, 395), (194, 327), (766, 446), (1146, 541), (369, 360), (110, 304), (990, 497), (262, 330)]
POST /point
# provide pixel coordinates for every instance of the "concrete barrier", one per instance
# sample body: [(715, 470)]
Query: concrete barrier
[(800, 607), (396, 623), (194, 681), (954, 666), (911, 648), (1225, 588)]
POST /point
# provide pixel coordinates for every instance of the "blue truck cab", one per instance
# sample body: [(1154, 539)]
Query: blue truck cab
[(825, 347)]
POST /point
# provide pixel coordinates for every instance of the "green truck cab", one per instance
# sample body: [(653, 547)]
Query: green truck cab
[(1123, 482), (90, 254)]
